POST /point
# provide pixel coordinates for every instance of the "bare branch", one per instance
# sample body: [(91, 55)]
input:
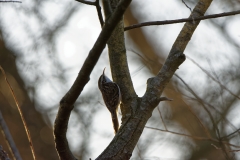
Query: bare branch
[(11, 1), (182, 134), (125, 140), (203, 105), (214, 79), (98, 7), (66, 103), (12, 146), (87, 2), (156, 85), (165, 99), (162, 118), (209, 114), (118, 61), (214, 108), (21, 114), (230, 134), (139, 152), (186, 5), (196, 137), (205, 129), (181, 20)]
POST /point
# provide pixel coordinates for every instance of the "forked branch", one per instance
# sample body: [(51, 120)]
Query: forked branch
[(98, 7), (175, 58), (125, 140), (66, 103)]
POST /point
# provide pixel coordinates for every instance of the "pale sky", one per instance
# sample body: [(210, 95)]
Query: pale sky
[(76, 39)]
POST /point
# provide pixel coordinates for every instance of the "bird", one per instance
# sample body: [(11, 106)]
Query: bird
[(112, 97)]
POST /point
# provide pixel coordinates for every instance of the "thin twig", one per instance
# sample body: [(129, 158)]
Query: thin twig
[(162, 118), (98, 7), (165, 99), (139, 152), (87, 2), (230, 134), (217, 77), (10, 142), (189, 9), (214, 108), (194, 137), (205, 129), (208, 112), (182, 134), (214, 79), (21, 114), (186, 5), (181, 20), (200, 101), (12, 1)]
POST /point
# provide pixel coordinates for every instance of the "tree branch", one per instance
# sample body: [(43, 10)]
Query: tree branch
[(200, 122), (224, 137), (175, 58), (98, 7), (162, 118), (20, 113), (12, 1), (66, 103), (134, 26), (186, 5), (210, 116), (125, 140), (203, 105), (214, 79), (196, 137), (118, 61), (87, 2), (12, 146), (182, 134), (216, 110)]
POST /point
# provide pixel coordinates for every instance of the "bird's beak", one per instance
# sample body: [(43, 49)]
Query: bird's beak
[(104, 70)]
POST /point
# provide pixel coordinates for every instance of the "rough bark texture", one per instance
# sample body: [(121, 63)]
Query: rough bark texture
[(180, 112), (141, 109), (118, 61), (66, 104)]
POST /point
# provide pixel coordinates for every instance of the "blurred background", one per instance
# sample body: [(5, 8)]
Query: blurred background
[(43, 45)]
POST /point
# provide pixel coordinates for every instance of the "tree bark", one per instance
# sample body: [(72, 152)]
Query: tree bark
[(125, 140)]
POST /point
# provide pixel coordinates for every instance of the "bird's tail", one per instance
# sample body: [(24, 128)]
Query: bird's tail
[(115, 121)]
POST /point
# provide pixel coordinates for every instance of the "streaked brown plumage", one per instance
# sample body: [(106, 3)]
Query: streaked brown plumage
[(111, 95)]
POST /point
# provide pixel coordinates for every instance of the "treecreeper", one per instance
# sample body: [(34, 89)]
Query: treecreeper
[(111, 95)]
